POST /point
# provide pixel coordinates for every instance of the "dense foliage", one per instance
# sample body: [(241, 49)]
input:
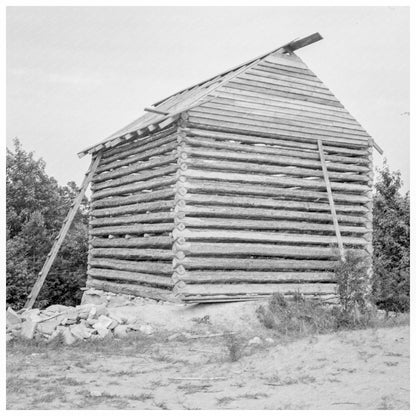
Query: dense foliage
[(36, 207), (391, 241)]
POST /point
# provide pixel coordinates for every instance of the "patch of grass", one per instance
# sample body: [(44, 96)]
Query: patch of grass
[(391, 363), (139, 397), (224, 400), (161, 405), (124, 373), (386, 403), (68, 381), (235, 347), (46, 398), (253, 396), (295, 316), (276, 380)]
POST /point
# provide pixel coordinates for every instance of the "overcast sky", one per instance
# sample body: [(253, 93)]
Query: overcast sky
[(76, 75)]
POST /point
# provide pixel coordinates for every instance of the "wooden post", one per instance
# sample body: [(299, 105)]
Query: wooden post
[(62, 234), (331, 200)]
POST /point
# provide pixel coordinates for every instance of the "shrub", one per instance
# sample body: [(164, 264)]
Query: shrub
[(391, 242), (295, 315), (235, 347), (353, 283), (36, 207)]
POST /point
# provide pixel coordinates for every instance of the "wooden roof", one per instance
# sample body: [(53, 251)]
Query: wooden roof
[(299, 100)]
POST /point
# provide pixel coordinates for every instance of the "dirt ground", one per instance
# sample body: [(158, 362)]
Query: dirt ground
[(366, 369)]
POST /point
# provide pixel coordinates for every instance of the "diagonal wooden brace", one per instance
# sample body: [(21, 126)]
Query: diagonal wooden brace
[(331, 200), (62, 234)]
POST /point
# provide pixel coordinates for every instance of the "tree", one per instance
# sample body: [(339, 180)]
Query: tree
[(391, 242), (36, 207)]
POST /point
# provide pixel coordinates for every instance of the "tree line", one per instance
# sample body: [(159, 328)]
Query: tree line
[(37, 205)]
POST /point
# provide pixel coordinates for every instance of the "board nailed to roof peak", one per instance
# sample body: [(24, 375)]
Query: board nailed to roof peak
[(279, 77)]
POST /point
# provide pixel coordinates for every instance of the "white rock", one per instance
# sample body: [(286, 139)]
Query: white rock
[(57, 308), (120, 331), (49, 326), (12, 318), (103, 322), (96, 393), (146, 329), (80, 331), (270, 340), (68, 337), (28, 329), (103, 332), (255, 341)]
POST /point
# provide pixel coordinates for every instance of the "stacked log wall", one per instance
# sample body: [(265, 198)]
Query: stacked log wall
[(255, 215), (132, 217)]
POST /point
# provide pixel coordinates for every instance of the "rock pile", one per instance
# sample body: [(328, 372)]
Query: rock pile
[(86, 321)]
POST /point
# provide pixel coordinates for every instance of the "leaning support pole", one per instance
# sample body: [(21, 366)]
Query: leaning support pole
[(62, 234), (331, 200)]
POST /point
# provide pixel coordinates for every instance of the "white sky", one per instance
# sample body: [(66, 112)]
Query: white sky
[(77, 74)]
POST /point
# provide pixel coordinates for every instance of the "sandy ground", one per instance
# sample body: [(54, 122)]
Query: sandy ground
[(366, 369)]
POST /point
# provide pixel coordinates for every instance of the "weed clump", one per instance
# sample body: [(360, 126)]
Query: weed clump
[(235, 347), (295, 315)]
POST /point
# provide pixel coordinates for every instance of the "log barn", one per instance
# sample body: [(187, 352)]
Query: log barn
[(254, 181)]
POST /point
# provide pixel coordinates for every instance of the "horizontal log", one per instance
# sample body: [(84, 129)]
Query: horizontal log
[(138, 198), (136, 167), (283, 92), (136, 157), (142, 242), (258, 288), (272, 141), (263, 250), (318, 89), (335, 163), (274, 180), (246, 201), (120, 275), (262, 190), (140, 186), (133, 208), (234, 91), (224, 263), (266, 68), (255, 277), (134, 219), (239, 124), (150, 267), (245, 167), (132, 253), (241, 103), (138, 142), (135, 178), (286, 105), (265, 237), (133, 229), (277, 121), (245, 224), (130, 289), (263, 213), (139, 147)]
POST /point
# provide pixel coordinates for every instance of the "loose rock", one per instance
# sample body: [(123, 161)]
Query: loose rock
[(28, 329), (255, 341)]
